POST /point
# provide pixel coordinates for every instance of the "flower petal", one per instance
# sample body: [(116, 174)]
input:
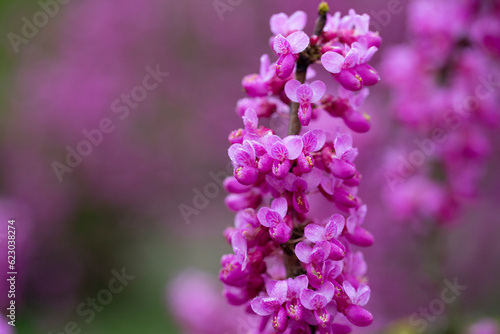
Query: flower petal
[(320, 252), (309, 141), (304, 94), (262, 216), (305, 113), (289, 182), (250, 119), (314, 233), (280, 320), (332, 62), (281, 233), (300, 202), (239, 243), (321, 139), (342, 144), (268, 142), (352, 222), (313, 178), (319, 89), (349, 290), (285, 66), (291, 89), (264, 306), (328, 184), (358, 100), (243, 158), (282, 45), (362, 24), (301, 282), (278, 23), (297, 21), (280, 205), (358, 315), (279, 151), (350, 79), (335, 226), (232, 151), (294, 146), (298, 41), (306, 297), (363, 294), (369, 54), (303, 252), (265, 64), (277, 290), (246, 217), (327, 290)]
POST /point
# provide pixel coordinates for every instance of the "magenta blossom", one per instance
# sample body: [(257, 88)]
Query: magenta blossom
[(294, 307), (343, 68), (276, 237), (243, 158), (258, 84), (341, 161), (240, 249), (305, 95), (273, 304), (352, 117), (263, 106), (317, 301), (264, 83), (333, 229), (355, 233), (283, 151), (298, 186), (347, 105), (287, 49), (274, 219), (365, 53), (359, 296), (284, 25), (312, 141), (308, 254)]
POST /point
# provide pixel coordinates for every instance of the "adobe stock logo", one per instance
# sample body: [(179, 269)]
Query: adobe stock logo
[(420, 320), (88, 310), (223, 6), (30, 28), (202, 197)]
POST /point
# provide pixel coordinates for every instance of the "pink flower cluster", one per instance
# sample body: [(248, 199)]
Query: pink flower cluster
[(344, 47), (445, 93), (298, 272)]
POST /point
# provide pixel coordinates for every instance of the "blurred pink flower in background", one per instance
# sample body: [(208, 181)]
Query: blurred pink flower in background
[(195, 299)]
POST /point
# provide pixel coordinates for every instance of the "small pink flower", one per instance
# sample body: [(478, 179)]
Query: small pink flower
[(273, 304), (343, 68), (317, 301), (305, 95), (284, 25), (287, 49), (274, 219)]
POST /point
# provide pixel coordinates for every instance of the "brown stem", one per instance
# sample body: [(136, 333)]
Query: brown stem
[(321, 20), (300, 74), (305, 59), (293, 266)]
